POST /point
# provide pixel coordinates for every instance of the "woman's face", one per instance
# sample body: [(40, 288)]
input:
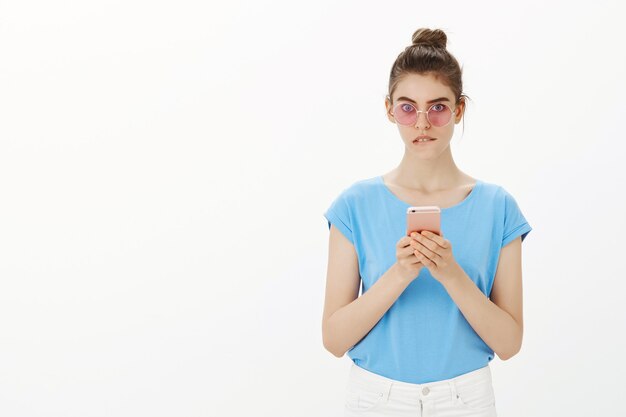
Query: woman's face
[(421, 89)]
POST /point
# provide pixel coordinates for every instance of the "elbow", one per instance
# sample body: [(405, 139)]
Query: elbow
[(511, 352), (506, 356), (332, 349), (329, 344), (336, 353)]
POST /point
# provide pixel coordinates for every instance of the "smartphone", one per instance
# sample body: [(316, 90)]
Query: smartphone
[(420, 218)]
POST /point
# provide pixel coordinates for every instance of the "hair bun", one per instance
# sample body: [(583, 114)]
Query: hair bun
[(435, 38)]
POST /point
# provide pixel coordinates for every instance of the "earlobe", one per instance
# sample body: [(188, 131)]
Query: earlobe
[(389, 115), (461, 110)]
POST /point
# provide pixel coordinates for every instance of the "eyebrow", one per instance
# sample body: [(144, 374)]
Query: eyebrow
[(429, 102)]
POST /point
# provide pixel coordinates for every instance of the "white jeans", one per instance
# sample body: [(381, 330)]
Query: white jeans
[(370, 394)]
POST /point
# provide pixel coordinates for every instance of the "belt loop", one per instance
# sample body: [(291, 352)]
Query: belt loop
[(453, 390), (385, 390)]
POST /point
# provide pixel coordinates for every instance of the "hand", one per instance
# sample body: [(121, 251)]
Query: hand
[(407, 264), (435, 252)]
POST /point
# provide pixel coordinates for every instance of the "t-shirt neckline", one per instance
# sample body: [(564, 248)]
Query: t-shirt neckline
[(467, 198)]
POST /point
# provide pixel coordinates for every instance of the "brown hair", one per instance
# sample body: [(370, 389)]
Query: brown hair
[(428, 55)]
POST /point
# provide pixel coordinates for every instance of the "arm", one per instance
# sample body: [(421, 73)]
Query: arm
[(499, 321), (348, 317)]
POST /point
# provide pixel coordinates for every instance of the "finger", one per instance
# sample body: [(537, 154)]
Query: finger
[(404, 242), (433, 255), (408, 251), (423, 258), (425, 241), (413, 259), (439, 240), (426, 244)]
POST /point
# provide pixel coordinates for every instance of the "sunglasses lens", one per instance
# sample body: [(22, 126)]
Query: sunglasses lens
[(405, 114), (438, 115)]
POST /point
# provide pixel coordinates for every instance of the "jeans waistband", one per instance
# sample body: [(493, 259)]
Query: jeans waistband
[(429, 390)]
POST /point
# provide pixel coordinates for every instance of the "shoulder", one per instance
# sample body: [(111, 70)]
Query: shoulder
[(495, 192), (358, 190), (505, 207), (496, 200)]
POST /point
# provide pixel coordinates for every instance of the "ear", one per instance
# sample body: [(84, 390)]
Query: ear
[(389, 109), (460, 110)]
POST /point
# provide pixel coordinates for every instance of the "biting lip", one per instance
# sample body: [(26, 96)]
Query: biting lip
[(423, 137)]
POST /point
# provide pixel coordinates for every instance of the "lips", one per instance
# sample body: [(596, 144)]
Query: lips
[(429, 139)]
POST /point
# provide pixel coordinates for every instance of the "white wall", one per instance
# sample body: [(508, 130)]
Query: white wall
[(164, 167)]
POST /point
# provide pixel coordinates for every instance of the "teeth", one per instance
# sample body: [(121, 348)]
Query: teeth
[(423, 140)]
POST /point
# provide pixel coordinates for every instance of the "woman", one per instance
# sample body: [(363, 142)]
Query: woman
[(434, 308)]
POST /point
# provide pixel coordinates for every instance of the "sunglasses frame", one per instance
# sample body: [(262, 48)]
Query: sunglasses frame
[(393, 113)]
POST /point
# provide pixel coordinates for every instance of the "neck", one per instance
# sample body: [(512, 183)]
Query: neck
[(428, 175)]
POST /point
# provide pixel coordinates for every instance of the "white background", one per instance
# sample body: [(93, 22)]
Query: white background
[(164, 167)]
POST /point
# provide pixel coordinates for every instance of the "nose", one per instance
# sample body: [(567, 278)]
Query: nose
[(424, 123)]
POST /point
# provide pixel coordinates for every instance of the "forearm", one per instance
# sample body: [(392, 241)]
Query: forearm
[(348, 325), (495, 326)]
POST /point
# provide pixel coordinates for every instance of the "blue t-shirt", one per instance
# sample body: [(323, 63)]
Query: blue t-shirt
[(424, 337)]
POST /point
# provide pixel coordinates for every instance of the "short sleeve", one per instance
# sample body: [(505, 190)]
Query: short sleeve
[(515, 224), (339, 215)]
